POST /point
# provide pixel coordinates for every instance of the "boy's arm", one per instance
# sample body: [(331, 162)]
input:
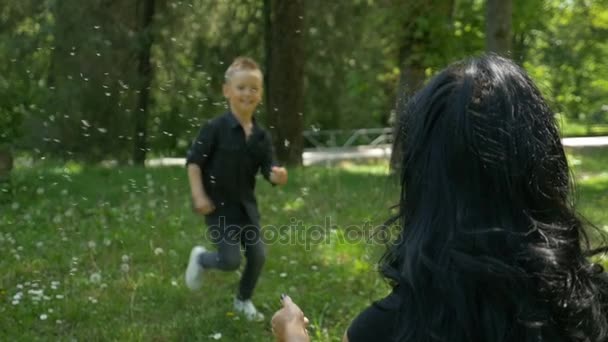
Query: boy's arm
[(198, 154), (202, 147), (268, 157), (195, 176), (201, 203), (273, 174)]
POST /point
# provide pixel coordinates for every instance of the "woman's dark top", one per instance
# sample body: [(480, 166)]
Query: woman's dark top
[(377, 322)]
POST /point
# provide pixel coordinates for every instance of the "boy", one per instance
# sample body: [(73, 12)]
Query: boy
[(222, 164)]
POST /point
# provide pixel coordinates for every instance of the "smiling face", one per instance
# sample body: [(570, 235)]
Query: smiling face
[(243, 90)]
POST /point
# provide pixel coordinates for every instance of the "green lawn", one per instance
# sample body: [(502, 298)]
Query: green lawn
[(99, 253)]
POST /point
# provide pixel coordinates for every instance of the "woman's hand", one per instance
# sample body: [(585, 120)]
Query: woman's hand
[(289, 323)]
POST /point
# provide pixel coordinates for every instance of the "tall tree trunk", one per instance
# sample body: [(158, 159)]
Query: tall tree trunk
[(145, 79), (499, 15), (416, 41), (6, 163), (267, 9), (285, 78)]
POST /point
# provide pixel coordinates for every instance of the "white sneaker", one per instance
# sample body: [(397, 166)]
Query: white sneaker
[(247, 308), (194, 272)]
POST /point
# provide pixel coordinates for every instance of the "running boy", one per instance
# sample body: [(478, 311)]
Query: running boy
[(222, 164)]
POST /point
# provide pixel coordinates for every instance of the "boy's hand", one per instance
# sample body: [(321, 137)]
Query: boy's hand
[(202, 205), (278, 175)]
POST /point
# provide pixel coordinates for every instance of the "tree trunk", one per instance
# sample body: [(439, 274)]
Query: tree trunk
[(285, 75), (499, 14), (145, 78), (416, 41), (6, 165)]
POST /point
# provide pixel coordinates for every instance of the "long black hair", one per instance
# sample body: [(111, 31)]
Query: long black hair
[(490, 247)]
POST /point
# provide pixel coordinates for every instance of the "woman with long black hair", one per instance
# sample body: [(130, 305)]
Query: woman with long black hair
[(490, 246)]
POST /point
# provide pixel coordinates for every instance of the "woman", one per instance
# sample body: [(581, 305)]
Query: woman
[(490, 244)]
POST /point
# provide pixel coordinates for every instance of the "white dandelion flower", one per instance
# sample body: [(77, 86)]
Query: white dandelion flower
[(95, 278)]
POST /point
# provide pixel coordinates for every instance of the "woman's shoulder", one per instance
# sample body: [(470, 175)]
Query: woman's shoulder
[(377, 321)]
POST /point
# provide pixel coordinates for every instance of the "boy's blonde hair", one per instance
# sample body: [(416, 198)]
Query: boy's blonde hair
[(241, 63)]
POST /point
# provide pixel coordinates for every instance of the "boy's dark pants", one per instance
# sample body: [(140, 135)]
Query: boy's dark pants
[(229, 236)]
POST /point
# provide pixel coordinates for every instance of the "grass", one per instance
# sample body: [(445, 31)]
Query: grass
[(573, 128), (95, 254)]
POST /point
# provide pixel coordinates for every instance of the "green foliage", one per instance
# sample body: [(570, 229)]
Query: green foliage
[(69, 82), (567, 59)]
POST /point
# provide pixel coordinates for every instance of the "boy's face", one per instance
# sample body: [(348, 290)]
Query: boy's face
[(244, 91)]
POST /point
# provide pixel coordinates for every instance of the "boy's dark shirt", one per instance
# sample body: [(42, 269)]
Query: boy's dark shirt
[(229, 163)]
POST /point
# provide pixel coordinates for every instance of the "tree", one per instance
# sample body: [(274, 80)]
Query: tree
[(23, 46), (144, 69), (425, 31), (498, 26), (285, 76), (93, 77)]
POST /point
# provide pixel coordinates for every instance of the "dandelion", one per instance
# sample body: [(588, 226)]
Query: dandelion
[(125, 258), (35, 292), (283, 275), (92, 244), (43, 317), (39, 244), (95, 278), (59, 296), (107, 242), (40, 191), (216, 336), (124, 268), (158, 251)]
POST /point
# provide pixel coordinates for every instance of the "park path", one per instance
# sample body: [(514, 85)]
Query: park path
[(329, 155)]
